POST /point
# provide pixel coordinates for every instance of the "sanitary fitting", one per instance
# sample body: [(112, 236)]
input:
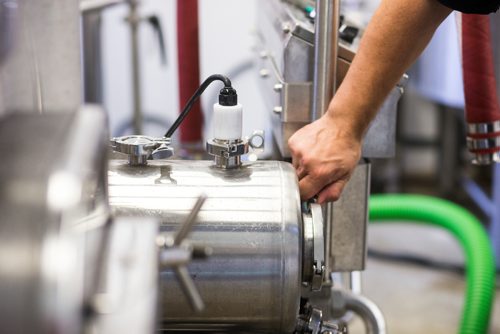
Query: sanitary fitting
[(227, 153), (141, 148)]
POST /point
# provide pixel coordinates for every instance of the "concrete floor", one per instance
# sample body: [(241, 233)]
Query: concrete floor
[(416, 299)]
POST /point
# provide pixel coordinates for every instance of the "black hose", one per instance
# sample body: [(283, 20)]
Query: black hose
[(192, 100)]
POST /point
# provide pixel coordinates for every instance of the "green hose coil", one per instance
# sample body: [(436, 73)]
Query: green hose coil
[(472, 237)]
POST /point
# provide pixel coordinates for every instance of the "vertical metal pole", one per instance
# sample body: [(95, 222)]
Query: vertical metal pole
[(325, 54), (495, 214), (134, 21), (325, 69)]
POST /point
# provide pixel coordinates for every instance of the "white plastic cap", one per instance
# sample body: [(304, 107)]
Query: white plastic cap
[(227, 122)]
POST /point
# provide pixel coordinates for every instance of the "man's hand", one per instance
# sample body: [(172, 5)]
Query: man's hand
[(324, 153)]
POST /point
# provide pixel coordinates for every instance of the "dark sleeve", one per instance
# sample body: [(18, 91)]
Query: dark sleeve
[(472, 6)]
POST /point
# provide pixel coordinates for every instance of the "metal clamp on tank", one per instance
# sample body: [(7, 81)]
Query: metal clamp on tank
[(141, 148), (313, 265)]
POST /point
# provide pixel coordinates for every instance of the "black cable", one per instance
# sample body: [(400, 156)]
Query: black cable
[(420, 261), (196, 95)]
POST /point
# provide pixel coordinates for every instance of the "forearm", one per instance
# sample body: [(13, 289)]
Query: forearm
[(395, 37)]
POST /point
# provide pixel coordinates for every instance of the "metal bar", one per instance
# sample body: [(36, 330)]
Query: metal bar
[(134, 21), (325, 54), (325, 68), (189, 288), (187, 225)]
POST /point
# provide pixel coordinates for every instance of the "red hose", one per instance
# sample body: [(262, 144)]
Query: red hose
[(481, 102), (189, 68)]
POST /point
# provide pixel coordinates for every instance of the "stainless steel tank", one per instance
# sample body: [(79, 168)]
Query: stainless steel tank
[(252, 221)]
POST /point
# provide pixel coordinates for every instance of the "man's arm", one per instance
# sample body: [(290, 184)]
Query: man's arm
[(326, 151)]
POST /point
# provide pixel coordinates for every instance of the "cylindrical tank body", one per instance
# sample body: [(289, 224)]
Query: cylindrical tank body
[(252, 221)]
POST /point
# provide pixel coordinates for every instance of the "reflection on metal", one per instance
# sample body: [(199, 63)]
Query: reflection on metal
[(42, 274), (126, 298), (251, 220)]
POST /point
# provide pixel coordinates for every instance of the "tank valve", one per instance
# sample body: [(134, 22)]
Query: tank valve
[(140, 149)]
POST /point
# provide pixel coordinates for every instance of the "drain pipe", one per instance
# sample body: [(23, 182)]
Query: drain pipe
[(189, 68)]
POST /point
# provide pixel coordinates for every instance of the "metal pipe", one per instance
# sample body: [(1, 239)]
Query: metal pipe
[(325, 68), (325, 54), (370, 313), (134, 20)]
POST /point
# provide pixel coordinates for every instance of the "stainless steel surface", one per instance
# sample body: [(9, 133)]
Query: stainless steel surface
[(126, 301), (43, 266), (42, 71), (368, 311), (319, 247), (288, 57), (313, 248), (349, 223), (92, 57), (251, 220), (76, 179), (325, 54), (380, 139)]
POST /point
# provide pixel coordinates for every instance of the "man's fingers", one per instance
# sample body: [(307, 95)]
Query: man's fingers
[(309, 187), (301, 172), (332, 192)]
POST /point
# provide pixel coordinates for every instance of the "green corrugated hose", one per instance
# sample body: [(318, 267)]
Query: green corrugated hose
[(469, 232)]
